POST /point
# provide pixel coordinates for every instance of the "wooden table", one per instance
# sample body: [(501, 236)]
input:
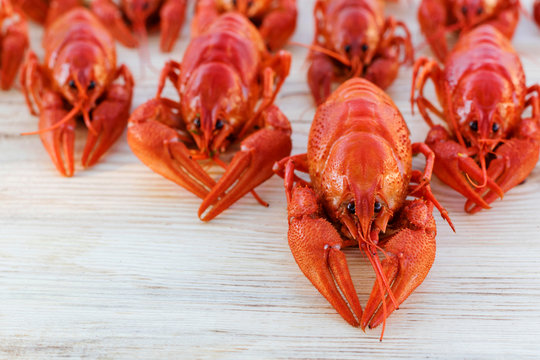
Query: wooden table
[(114, 263)]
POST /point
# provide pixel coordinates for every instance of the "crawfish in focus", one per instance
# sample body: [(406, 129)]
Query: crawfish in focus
[(78, 78), (438, 17), (359, 160), (275, 19), (487, 147), (226, 87), (352, 38), (13, 43)]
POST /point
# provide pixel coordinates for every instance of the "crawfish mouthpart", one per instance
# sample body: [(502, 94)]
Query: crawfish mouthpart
[(227, 83), (486, 148), (359, 162)]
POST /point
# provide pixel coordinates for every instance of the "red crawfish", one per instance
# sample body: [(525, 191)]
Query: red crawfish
[(227, 82), (438, 17), (78, 78), (363, 192), (275, 19), (128, 21), (486, 147), (13, 43), (352, 38), (536, 12)]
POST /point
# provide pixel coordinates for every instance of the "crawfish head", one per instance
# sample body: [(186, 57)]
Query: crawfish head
[(363, 185), (80, 73), (355, 36), (214, 103), (485, 107)]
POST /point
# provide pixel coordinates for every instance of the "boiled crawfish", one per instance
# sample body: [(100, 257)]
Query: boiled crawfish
[(128, 22), (13, 43), (352, 38), (359, 161), (226, 88), (275, 19), (78, 78), (486, 148), (438, 17)]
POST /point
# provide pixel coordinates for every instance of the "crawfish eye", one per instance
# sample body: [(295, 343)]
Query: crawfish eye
[(495, 127), (377, 206), (365, 47), (351, 207), (347, 48), (473, 125), (464, 10), (234, 2), (219, 124), (145, 6), (92, 85), (197, 122), (71, 84), (479, 11)]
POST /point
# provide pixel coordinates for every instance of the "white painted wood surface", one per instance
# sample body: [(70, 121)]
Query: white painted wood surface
[(114, 263)]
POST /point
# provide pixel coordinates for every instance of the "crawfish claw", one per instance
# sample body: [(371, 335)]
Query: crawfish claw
[(59, 142), (109, 119), (158, 145), (316, 247), (251, 166), (410, 253), (455, 168)]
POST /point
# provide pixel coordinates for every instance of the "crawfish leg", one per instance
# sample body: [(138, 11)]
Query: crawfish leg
[(156, 135), (286, 167), (109, 119), (425, 69), (383, 70), (252, 165), (316, 247), (279, 24), (410, 252)]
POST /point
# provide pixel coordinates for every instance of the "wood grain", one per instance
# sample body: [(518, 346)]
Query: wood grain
[(114, 263)]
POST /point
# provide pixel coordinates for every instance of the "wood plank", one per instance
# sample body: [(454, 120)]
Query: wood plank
[(114, 263)]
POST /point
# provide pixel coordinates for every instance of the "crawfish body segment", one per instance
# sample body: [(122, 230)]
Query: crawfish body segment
[(438, 17), (354, 39), (359, 162), (227, 83), (13, 43), (483, 96), (79, 70), (276, 20)]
